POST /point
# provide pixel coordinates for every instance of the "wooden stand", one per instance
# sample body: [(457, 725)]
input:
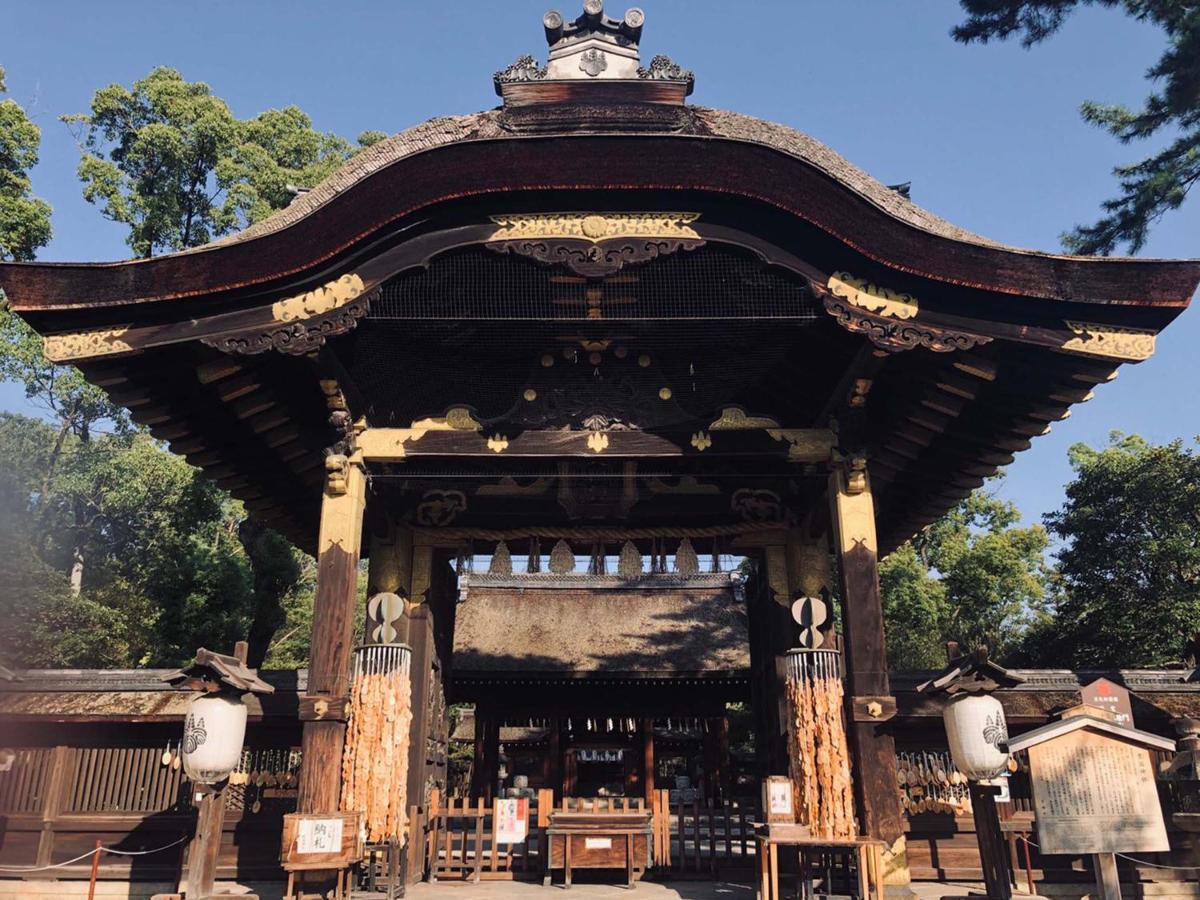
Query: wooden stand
[(868, 855), (599, 841)]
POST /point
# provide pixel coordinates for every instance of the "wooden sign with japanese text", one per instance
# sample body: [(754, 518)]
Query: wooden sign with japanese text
[(1107, 695), (1095, 794), (319, 841)]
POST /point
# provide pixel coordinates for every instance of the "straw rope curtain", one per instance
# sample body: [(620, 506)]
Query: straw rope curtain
[(375, 763), (817, 749)]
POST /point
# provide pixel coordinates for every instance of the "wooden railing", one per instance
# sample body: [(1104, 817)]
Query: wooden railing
[(56, 802)]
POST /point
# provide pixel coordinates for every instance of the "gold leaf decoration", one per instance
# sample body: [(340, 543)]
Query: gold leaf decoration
[(873, 298), (1131, 344), (85, 344), (595, 227), (326, 298)]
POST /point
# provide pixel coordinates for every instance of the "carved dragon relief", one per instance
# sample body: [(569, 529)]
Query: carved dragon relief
[(593, 245), (303, 323)]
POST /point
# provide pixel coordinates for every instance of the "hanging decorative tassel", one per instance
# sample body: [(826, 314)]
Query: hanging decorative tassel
[(375, 761), (817, 747)]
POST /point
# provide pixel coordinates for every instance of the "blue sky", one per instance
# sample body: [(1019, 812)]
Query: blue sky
[(989, 135)]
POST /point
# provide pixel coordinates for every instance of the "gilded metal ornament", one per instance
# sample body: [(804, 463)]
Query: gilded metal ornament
[(873, 298), (85, 344), (594, 245), (1130, 344)]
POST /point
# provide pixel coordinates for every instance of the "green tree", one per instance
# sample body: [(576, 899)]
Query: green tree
[(1160, 182), (24, 219), (1130, 564), (915, 611), (170, 160), (45, 624), (974, 576)]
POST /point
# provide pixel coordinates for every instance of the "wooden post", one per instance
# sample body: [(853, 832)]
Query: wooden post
[(1108, 880), (54, 800), (338, 548), (424, 658), (491, 755), (648, 758), (853, 515), (724, 774), (554, 772), (479, 764), (204, 851), (993, 854)]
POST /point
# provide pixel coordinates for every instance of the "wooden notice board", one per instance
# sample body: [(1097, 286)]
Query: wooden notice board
[(1094, 793), (321, 841)]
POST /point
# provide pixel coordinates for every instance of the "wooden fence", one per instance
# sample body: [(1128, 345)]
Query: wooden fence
[(56, 802), (687, 838)]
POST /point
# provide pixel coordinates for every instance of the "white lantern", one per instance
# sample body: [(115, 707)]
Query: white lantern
[(978, 735), (213, 732)]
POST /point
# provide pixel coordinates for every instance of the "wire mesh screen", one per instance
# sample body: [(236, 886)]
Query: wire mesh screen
[(708, 283)]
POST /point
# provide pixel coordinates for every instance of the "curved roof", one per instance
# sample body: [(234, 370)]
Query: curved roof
[(577, 146)]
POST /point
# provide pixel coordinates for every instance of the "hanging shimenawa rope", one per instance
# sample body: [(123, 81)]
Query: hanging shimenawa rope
[(375, 763), (817, 747)]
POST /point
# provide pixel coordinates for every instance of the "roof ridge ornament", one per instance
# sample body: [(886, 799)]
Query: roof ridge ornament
[(594, 49)]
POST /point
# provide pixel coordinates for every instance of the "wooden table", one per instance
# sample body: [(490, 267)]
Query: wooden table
[(599, 841), (768, 839)]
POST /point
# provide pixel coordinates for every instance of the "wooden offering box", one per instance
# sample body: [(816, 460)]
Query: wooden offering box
[(617, 840)]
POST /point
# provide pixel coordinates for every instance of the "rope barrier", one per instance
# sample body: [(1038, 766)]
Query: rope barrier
[(70, 862), (1134, 859)]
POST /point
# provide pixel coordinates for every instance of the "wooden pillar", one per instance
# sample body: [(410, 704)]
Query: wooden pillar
[(554, 759), (880, 816), (338, 549), (779, 636), (479, 763), (491, 756), (424, 662), (648, 759), (711, 765), (724, 771)]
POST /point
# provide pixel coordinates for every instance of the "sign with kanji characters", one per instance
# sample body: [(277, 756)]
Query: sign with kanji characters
[(512, 820), (319, 836), (1104, 694), (1095, 793), (312, 841)]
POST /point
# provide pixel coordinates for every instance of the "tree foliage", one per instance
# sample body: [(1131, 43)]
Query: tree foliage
[(24, 219), (1130, 564), (975, 576), (1160, 182), (170, 160), (170, 565)]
